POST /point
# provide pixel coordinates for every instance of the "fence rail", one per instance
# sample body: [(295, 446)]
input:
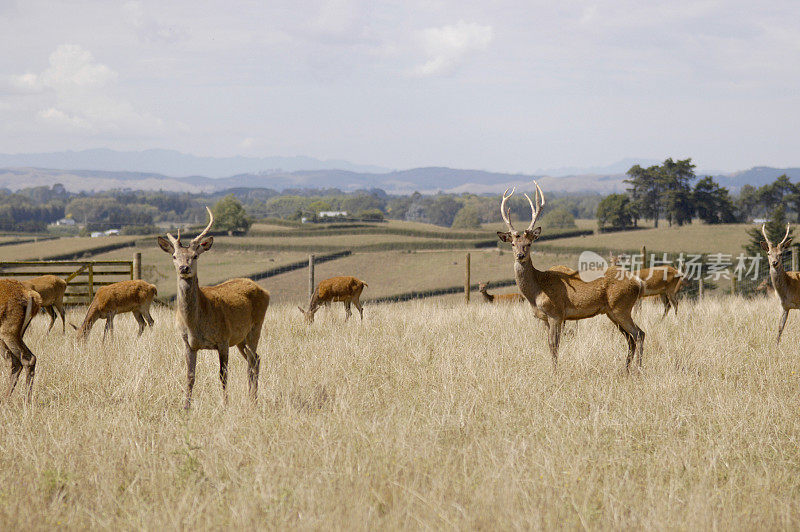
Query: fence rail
[(83, 277)]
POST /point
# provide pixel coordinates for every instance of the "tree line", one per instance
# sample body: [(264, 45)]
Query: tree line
[(141, 212), (672, 192)]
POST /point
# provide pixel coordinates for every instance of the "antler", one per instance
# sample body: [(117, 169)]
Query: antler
[(176, 242), (788, 225), (199, 237), (535, 211), (764, 232), (506, 213)]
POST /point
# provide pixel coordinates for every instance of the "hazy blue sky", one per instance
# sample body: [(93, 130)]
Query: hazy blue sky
[(512, 86)]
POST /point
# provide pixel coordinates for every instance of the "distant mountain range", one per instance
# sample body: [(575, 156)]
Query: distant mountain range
[(173, 171), (173, 163)]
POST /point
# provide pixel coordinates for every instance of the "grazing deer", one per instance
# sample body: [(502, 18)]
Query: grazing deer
[(18, 305), (786, 284), (765, 286), (126, 296), (215, 317), (499, 298), (52, 289), (344, 288), (663, 281), (557, 296)]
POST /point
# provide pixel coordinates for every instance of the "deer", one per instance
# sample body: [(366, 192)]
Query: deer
[(51, 288), (499, 298), (18, 305), (663, 281), (786, 284), (765, 287), (133, 296), (343, 288), (215, 317), (556, 296)]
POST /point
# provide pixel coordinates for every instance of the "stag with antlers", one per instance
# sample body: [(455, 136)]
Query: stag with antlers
[(215, 317), (786, 284), (557, 296)]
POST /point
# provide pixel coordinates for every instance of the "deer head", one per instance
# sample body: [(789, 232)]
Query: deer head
[(481, 287), (185, 257), (775, 253), (308, 314), (521, 242)]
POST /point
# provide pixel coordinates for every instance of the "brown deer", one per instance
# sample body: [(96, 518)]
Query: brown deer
[(557, 296), (344, 288), (126, 296), (765, 287), (18, 305), (215, 317), (499, 298), (52, 289), (663, 281), (786, 284)]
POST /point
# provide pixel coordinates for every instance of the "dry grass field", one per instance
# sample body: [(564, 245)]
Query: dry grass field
[(694, 238), (215, 267), (424, 416), (49, 248), (394, 272)]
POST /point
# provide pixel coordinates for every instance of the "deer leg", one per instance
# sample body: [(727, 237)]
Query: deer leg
[(140, 321), (673, 299), (665, 301), (554, 337), (148, 317), (626, 324), (109, 329), (253, 367), (223, 371), (16, 369), (61, 312), (357, 303), (52, 314), (347, 311), (782, 324), (631, 345), (191, 363), (25, 358)]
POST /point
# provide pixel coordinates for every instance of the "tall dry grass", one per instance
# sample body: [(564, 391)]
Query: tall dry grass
[(424, 416)]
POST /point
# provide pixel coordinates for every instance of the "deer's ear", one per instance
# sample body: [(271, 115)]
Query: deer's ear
[(166, 245), (764, 246), (504, 236), (205, 244), (533, 235)]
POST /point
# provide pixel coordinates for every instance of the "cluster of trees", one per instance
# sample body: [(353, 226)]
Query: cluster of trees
[(31, 209), (671, 191)]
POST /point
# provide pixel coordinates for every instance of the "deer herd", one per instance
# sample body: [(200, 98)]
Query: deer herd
[(232, 313)]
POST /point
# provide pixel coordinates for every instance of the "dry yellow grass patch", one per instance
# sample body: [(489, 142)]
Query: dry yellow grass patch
[(422, 416)]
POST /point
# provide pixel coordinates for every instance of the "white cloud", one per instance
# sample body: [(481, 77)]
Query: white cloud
[(449, 46), (81, 88), (71, 66)]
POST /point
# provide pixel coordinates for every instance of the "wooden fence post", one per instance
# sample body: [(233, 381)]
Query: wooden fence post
[(734, 285), (137, 266), (90, 279), (310, 275), (466, 280), (794, 258), (644, 258), (700, 290)]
